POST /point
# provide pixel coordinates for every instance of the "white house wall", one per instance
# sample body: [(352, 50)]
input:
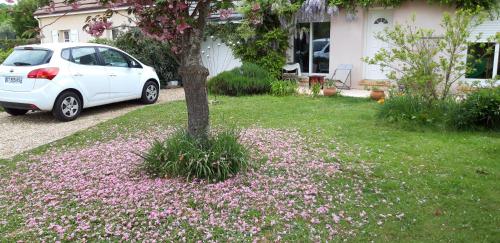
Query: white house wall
[(347, 44), (348, 38), (75, 23)]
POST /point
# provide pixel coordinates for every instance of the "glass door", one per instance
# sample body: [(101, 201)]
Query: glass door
[(313, 58)]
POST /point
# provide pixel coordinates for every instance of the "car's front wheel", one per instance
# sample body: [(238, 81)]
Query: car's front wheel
[(68, 106), (150, 92), (15, 112)]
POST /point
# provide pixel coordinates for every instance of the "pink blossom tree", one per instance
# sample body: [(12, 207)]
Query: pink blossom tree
[(181, 23)]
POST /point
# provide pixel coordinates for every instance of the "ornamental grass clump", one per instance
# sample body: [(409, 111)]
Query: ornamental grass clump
[(216, 157)]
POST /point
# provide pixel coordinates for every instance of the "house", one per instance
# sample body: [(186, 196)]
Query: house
[(320, 42), (323, 43), (63, 23)]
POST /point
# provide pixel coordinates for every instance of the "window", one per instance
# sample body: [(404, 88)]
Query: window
[(27, 57), (381, 21), (481, 57), (115, 32), (84, 56), (64, 36), (113, 58), (315, 57)]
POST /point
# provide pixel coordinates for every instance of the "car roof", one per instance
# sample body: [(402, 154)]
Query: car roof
[(58, 46)]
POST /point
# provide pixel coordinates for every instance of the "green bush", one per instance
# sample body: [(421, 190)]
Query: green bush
[(416, 109), (284, 87), (316, 89), (248, 79), (214, 158), (149, 51), (267, 49), (11, 43), (481, 109), (5, 54)]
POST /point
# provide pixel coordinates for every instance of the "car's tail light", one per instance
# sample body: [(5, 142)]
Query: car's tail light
[(45, 73)]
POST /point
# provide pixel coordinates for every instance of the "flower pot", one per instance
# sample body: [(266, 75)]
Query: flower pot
[(377, 94), (173, 83), (329, 91)]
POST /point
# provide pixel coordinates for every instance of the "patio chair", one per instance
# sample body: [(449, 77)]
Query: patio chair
[(292, 72), (342, 76)]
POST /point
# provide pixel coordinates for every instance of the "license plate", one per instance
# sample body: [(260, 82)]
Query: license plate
[(13, 80)]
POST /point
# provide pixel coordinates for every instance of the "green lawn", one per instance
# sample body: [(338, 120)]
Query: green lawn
[(445, 183)]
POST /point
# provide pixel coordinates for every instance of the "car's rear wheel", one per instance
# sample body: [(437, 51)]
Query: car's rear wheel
[(16, 112), (150, 92), (68, 106)]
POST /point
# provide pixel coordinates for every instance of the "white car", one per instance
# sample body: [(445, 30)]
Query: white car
[(67, 77)]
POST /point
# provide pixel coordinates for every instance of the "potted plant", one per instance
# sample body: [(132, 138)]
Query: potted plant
[(329, 88), (377, 93)]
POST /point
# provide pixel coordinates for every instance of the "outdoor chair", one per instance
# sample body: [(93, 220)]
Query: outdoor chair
[(292, 72), (342, 76)]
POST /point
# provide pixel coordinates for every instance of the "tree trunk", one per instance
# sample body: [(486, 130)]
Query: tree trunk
[(194, 80), (194, 75)]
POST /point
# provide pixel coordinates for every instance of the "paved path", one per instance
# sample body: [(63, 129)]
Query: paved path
[(22, 133)]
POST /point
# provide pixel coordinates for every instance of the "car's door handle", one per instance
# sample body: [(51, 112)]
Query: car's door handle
[(112, 75), (77, 74)]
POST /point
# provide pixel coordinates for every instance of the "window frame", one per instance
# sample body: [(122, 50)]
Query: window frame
[(496, 61), (72, 60), (124, 55), (311, 50), (64, 32)]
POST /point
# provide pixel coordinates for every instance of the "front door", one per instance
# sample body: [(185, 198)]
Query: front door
[(378, 20)]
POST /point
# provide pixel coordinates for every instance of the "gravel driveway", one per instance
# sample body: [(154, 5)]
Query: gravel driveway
[(18, 134)]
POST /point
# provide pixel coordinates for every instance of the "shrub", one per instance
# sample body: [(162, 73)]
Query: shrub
[(214, 158), (283, 87), (425, 62), (245, 80), (418, 110), (11, 43), (149, 51), (481, 109), (4, 54), (316, 89)]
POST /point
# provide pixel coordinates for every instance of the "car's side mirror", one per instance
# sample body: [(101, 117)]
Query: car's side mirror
[(134, 64)]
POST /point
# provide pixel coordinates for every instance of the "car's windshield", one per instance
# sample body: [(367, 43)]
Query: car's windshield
[(26, 57)]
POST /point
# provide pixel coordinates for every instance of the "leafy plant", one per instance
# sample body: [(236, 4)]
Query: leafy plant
[(248, 79), (316, 88), (284, 87), (415, 109), (329, 83), (481, 109), (426, 64), (215, 158), (4, 54), (149, 51), (23, 20)]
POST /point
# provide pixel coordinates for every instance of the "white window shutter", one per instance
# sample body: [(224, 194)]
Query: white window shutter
[(55, 36), (73, 36)]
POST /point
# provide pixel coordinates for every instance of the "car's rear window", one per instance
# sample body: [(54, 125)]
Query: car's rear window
[(27, 57)]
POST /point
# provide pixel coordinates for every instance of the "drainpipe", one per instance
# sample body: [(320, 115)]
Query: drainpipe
[(39, 26)]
